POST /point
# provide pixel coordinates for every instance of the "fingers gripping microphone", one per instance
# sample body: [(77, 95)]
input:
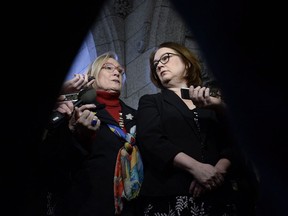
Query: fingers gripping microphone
[(86, 96)]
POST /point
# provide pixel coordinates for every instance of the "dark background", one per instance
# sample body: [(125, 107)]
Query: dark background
[(244, 44)]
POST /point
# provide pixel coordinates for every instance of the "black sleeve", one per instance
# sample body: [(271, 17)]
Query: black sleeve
[(59, 153), (153, 144)]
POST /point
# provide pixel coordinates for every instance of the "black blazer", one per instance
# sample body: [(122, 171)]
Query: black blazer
[(82, 176), (165, 127)]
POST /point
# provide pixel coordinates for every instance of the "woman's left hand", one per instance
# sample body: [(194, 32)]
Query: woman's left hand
[(84, 120)]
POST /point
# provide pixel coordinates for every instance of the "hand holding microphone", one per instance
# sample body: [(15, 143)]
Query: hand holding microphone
[(84, 121), (66, 106), (203, 96), (78, 82)]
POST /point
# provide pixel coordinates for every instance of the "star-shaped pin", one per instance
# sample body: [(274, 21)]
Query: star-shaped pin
[(129, 116)]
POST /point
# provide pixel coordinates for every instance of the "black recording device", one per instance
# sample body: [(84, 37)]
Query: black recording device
[(90, 78), (185, 93), (85, 96), (214, 92)]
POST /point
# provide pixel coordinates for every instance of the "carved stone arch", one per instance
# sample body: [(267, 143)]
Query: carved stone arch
[(109, 32), (167, 24), (144, 33)]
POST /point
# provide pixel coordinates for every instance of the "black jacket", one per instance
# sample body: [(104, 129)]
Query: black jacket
[(165, 127), (81, 177)]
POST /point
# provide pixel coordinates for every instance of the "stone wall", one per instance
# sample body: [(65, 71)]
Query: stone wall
[(133, 29)]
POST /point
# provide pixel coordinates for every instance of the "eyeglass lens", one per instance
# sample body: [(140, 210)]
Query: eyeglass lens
[(111, 67), (163, 59)]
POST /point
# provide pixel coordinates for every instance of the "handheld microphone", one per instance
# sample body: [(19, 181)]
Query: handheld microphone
[(85, 96)]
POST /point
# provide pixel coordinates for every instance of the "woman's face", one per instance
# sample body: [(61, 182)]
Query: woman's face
[(170, 68), (110, 76)]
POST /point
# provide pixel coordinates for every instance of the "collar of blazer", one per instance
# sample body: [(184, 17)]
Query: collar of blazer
[(173, 99), (127, 113)]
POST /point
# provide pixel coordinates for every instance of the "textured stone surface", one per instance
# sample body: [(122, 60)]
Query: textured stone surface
[(134, 35)]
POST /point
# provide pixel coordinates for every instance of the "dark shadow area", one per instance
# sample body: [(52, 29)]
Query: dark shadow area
[(39, 43), (243, 42)]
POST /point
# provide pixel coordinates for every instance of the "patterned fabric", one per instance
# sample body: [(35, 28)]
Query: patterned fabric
[(128, 175), (184, 206)]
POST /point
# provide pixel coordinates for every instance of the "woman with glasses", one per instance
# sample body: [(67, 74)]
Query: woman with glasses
[(185, 146), (81, 155)]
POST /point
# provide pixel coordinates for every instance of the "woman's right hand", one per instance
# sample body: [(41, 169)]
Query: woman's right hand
[(196, 189), (208, 176), (205, 174)]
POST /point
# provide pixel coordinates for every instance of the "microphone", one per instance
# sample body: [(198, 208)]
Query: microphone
[(85, 96)]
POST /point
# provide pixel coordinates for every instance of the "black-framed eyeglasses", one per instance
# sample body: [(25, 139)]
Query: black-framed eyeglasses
[(111, 67), (164, 59)]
